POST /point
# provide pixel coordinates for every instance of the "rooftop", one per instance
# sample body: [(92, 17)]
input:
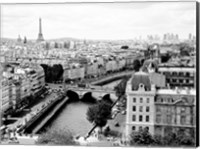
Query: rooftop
[(177, 91)]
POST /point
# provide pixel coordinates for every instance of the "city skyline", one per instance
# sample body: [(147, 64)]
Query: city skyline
[(99, 20)]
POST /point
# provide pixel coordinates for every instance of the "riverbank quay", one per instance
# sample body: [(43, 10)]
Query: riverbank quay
[(50, 115), (30, 110), (17, 128), (111, 78), (40, 115)]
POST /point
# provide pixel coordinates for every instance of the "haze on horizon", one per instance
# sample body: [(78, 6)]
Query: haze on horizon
[(99, 20)]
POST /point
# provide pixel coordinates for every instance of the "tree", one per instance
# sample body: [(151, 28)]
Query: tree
[(185, 49), (56, 45), (174, 139), (55, 72), (141, 137), (165, 58), (98, 114), (136, 65), (25, 40), (61, 71), (107, 99), (120, 89), (124, 47), (56, 137), (49, 74)]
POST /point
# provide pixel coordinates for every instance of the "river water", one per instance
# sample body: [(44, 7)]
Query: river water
[(73, 116)]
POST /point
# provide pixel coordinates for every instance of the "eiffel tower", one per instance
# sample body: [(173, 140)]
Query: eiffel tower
[(40, 36)]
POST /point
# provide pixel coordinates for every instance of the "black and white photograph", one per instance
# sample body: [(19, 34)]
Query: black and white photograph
[(100, 74)]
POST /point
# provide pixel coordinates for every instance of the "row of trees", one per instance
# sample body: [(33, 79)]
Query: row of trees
[(120, 89), (53, 73), (144, 138), (185, 49), (56, 137)]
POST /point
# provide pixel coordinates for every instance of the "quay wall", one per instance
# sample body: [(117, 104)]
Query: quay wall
[(111, 79), (39, 117)]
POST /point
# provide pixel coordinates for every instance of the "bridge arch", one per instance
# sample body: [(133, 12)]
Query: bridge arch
[(107, 98), (73, 96), (87, 97)]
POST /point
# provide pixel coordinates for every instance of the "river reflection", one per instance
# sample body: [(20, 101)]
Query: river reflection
[(73, 118)]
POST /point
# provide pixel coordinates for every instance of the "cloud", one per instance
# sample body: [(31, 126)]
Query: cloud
[(111, 20)]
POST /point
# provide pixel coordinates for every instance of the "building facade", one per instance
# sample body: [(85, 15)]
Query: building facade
[(179, 76), (161, 110)]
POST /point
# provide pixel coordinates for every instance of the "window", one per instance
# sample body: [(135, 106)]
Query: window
[(158, 118), (133, 118), (187, 74), (140, 118), (147, 100), (168, 119), (158, 109), (134, 108), (141, 109), (147, 118), (180, 81), (133, 127), (174, 73), (181, 73), (141, 100), (167, 80), (140, 128), (147, 109), (134, 100), (183, 119), (187, 81), (168, 109)]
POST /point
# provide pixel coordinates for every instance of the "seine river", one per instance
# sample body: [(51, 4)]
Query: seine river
[(73, 117)]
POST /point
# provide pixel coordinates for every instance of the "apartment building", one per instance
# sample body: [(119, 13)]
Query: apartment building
[(160, 109)]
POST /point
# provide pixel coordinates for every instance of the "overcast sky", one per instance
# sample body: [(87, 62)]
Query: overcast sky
[(99, 21)]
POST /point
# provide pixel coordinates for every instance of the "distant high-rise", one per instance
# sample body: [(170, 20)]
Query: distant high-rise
[(177, 38), (165, 37), (40, 36), (19, 39), (190, 36)]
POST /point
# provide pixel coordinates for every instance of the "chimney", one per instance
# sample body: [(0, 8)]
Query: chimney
[(177, 90), (153, 87), (187, 90), (168, 86)]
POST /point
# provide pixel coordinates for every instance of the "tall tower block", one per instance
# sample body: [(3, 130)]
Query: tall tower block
[(40, 36)]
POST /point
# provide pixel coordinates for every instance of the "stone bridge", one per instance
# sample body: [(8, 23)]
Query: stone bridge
[(96, 92)]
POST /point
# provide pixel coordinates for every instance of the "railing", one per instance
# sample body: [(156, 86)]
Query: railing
[(94, 89)]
